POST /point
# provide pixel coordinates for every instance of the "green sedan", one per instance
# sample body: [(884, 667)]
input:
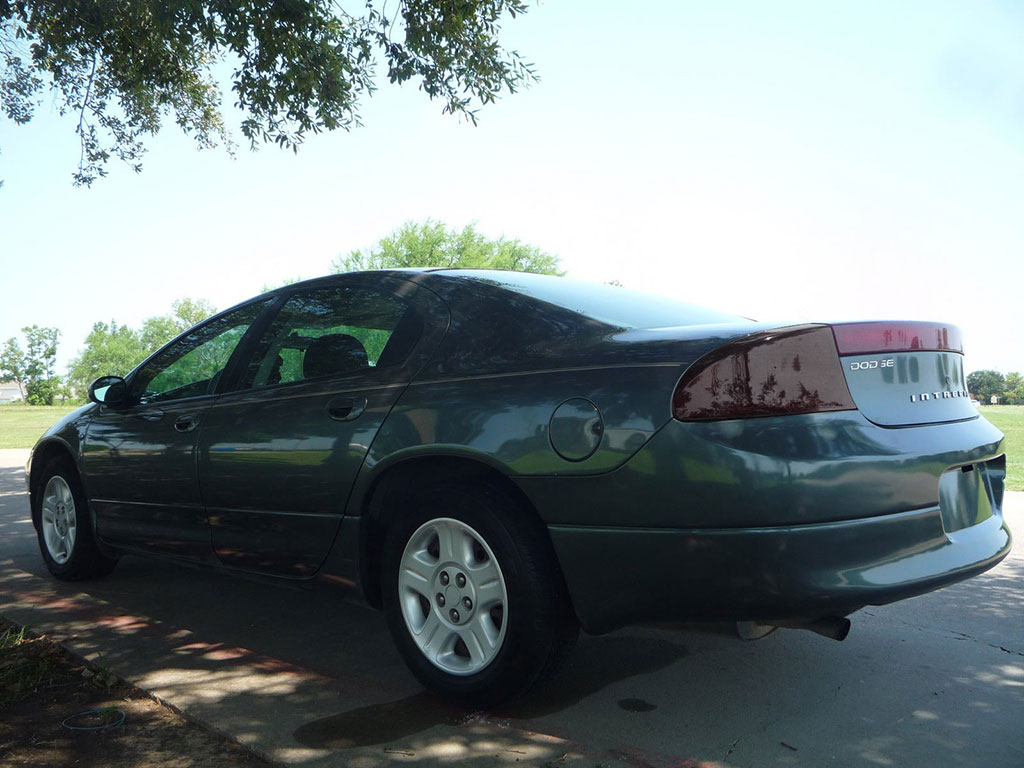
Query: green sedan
[(498, 459)]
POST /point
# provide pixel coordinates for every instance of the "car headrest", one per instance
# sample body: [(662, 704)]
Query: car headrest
[(333, 354)]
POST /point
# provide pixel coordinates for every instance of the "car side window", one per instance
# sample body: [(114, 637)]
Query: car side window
[(329, 331), (193, 364)]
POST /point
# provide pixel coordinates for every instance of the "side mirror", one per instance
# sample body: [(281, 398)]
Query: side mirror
[(109, 390)]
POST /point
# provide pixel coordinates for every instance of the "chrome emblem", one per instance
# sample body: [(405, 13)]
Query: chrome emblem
[(943, 395), (869, 364)]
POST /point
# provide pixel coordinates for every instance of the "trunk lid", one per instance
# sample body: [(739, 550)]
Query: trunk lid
[(904, 374)]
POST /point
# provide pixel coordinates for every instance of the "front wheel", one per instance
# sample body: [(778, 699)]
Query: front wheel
[(473, 596), (64, 527)]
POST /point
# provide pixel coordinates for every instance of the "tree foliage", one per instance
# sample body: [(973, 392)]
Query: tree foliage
[(431, 244), (267, 287), (112, 349), (1013, 389), (297, 66), (12, 364), (986, 383), (34, 369), (185, 313)]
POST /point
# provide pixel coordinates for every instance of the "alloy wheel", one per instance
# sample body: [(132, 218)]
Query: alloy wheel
[(58, 519), (453, 596)]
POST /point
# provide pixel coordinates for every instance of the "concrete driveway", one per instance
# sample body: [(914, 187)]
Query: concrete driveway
[(309, 680)]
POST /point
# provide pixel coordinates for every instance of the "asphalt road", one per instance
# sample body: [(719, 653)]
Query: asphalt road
[(308, 679)]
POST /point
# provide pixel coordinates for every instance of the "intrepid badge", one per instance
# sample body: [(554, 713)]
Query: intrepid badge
[(946, 395)]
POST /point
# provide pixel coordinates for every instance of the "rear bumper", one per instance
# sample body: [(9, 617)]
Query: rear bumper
[(623, 576), (783, 518)]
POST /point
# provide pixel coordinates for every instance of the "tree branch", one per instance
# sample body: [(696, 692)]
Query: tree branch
[(81, 114)]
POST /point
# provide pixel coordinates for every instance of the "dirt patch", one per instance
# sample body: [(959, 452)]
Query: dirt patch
[(41, 685)]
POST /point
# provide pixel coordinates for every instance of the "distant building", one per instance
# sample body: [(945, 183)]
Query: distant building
[(10, 393)]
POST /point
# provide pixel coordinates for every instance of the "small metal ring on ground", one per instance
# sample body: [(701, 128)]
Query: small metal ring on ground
[(68, 722)]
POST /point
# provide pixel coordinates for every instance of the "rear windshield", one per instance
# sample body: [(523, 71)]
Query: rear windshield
[(609, 304)]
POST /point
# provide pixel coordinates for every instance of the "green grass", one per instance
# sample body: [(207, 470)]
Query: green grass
[(22, 425), (1009, 419), (11, 637)]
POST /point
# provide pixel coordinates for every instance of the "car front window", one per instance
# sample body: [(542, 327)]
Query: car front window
[(192, 365)]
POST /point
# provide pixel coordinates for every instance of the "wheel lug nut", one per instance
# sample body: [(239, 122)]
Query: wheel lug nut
[(454, 614), (440, 599), (444, 578), (460, 580), (467, 603)]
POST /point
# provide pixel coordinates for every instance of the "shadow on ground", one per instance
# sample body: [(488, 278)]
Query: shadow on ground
[(596, 663)]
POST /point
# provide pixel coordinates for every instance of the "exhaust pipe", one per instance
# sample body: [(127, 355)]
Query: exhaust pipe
[(834, 627), (754, 630)]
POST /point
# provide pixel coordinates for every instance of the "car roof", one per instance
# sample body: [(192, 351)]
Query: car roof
[(609, 304)]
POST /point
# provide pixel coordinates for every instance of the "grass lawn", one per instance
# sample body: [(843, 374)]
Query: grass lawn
[(22, 425), (1009, 419)]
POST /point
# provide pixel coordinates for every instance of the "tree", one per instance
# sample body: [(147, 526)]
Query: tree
[(112, 349), (157, 331), (33, 369), (267, 287), (431, 244), (109, 350), (62, 389), (299, 66), (12, 364), (986, 383), (188, 312), (1013, 389)]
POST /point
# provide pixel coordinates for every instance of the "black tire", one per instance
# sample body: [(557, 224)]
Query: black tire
[(540, 629), (84, 561)]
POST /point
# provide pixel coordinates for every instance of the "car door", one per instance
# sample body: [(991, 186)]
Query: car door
[(140, 458), (279, 455)]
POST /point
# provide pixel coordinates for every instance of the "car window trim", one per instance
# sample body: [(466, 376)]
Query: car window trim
[(233, 369), (333, 386), (138, 407)]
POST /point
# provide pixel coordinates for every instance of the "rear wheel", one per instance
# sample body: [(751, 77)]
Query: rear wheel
[(473, 596), (64, 527)]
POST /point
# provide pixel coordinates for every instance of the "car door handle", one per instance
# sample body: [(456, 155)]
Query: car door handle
[(186, 423), (346, 408)]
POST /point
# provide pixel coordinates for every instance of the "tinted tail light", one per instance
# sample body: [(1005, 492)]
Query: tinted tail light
[(770, 373), (865, 338)]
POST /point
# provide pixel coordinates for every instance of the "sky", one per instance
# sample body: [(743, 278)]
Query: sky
[(787, 161)]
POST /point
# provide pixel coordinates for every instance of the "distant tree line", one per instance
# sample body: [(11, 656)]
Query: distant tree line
[(1009, 388)]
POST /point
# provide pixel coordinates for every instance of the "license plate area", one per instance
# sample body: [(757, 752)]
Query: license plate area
[(964, 497)]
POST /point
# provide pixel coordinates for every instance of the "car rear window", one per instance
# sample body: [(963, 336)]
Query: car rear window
[(610, 304)]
